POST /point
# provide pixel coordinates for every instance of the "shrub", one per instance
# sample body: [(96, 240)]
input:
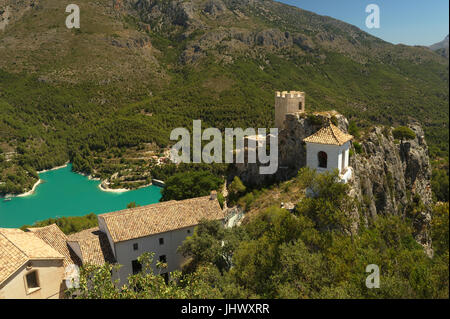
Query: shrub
[(358, 147), (354, 130), (189, 185), (403, 133)]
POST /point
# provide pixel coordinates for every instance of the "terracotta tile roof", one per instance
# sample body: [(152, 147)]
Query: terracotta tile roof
[(17, 247), (54, 237), (329, 134), (162, 217), (94, 246)]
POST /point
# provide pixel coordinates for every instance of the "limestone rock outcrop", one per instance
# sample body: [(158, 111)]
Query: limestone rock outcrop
[(389, 175)]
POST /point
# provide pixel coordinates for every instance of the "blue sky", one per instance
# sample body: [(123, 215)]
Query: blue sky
[(412, 22)]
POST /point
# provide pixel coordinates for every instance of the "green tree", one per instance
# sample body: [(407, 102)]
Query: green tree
[(190, 185), (403, 133), (439, 185), (328, 204), (440, 228), (205, 245), (354, 130), (96, 282), (235, 189)]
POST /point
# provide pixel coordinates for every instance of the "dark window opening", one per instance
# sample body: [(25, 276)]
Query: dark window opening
[(137, 267), (32, 280), (323, 158), (163, 258), (135, 246), (188, 231), (161, 241)]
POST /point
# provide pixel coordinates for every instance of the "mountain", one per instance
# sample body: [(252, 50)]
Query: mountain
[(107, 95), (441, 47)]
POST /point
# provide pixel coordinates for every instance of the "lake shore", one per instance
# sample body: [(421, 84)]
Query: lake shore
[(29, 192), (40, 181), (54, 168), (102, 186), (66, 193), (121, 190), (112, 190)]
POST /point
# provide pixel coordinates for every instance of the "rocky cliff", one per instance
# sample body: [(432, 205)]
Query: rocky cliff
[(390, 177)]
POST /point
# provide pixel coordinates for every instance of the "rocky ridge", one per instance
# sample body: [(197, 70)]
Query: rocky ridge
[(389, 176)]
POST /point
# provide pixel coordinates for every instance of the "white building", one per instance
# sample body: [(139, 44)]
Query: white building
[(328, 149), (29, 268), (159, 228)]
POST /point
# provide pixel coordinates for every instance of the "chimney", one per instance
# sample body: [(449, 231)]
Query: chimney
[(213, 195)]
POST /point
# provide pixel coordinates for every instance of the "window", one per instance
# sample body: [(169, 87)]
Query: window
[(163, 258), (161, 241), (32, 281), (323, 158), (137, 267), (135, 246), (188, 231)]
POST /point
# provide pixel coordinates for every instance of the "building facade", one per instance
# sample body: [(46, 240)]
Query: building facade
[(328, 149), (159, 228), (29, 268)]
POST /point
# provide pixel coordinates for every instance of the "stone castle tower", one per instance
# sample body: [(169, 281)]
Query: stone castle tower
[(287, 102)]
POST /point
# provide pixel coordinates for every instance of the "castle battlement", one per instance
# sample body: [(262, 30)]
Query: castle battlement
[(288, 102), (290, 94)]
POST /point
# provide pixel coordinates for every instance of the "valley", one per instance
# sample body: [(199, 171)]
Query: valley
[(101, 95)]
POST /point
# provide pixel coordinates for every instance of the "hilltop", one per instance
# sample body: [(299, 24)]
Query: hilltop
[(107, 95), (441, 47)]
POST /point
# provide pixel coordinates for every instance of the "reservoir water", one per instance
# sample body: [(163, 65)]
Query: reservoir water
[(65, 193)]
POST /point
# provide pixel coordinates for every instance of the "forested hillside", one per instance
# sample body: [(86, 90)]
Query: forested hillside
[(304, 252), (105, 96)]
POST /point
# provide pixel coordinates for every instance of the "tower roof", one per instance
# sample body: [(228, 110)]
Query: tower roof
[(330, 135)]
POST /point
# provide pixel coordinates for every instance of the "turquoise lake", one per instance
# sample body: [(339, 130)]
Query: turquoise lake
[(65, 193)]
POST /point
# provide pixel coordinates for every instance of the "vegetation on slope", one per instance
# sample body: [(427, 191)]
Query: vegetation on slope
[(306, 253), (189, 185), (68, 225), (107, 96)]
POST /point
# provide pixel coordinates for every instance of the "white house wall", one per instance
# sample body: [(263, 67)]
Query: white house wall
[(347, 153), (172, 240), (50, 275), (334, 155)]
